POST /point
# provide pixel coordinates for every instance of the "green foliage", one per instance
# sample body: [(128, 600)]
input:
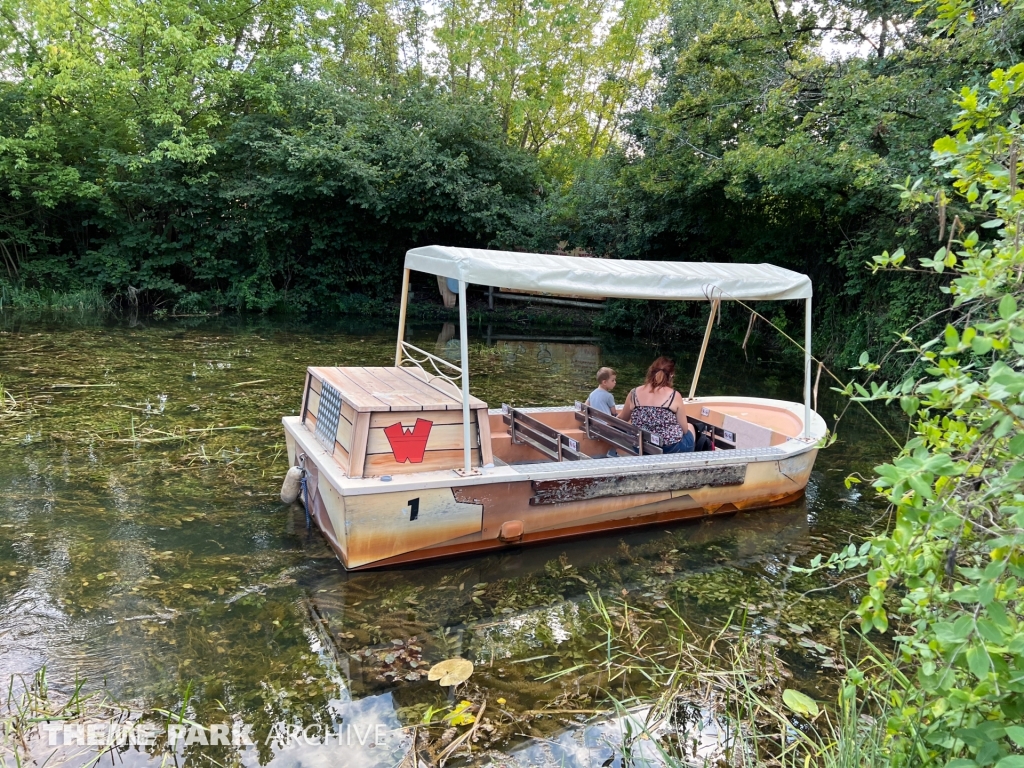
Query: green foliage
[(761, 148), (283, 156), (189, 157), (315, 206), (286, 154), (946, 579), (82, 300)]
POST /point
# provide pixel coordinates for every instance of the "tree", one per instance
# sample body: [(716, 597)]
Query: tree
[(190, 153), (558, 79), (762, 148)]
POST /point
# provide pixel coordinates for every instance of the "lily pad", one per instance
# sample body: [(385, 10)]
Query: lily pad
[(800, 703), (451, 671)]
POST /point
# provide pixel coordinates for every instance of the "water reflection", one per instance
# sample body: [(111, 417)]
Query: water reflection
[(143, 549)]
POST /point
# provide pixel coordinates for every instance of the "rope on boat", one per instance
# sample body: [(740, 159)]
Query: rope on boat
[(305, 489)]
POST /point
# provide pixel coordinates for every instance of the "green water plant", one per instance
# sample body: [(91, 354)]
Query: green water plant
[(31, 703)]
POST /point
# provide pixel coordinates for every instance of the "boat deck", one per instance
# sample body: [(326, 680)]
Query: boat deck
[(542, 470)]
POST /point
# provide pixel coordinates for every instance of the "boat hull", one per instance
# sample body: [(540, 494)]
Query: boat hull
[(374, 523)]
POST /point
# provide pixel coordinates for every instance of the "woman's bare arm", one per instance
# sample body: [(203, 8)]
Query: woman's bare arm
[(681, 415)]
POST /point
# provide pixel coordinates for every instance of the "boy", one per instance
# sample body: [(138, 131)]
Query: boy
[(601, 399)]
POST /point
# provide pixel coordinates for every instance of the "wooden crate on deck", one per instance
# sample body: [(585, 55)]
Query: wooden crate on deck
[(387, 421)]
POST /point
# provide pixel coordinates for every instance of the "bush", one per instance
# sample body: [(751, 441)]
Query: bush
[(947, 577)]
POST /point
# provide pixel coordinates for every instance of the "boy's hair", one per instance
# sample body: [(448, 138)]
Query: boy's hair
[(603, 374)]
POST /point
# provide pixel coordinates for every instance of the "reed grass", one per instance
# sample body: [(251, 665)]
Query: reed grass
[(177, 435), (29, 703), (8, 405), (203, 446), (12, 409), (17, 297), (708, 698)]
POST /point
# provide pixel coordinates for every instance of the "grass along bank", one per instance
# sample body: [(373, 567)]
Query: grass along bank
[(15, 297), (706, 696)]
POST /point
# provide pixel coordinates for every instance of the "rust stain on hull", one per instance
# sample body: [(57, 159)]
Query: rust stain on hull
[(656, 511), (582, 488)]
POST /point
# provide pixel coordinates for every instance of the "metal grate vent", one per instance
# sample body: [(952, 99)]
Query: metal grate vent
[(327, 416)]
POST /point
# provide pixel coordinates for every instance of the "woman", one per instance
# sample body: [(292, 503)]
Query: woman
[(658, 408)]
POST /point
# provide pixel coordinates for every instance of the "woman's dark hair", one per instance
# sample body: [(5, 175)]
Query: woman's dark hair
[(660, 373)]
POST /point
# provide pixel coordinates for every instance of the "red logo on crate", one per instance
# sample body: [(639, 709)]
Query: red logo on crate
[(409, 445)]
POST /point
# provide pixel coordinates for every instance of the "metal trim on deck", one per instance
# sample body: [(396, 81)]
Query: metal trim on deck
[(650, 463)]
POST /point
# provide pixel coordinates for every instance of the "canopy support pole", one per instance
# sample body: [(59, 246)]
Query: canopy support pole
[(807, 368), (464, 351), (401, 318), (704, 346)]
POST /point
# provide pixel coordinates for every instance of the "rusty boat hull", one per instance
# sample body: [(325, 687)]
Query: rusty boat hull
[(399, 510)]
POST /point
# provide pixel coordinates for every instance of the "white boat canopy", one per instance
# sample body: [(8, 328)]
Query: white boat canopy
[(618, 278), (596, 278)]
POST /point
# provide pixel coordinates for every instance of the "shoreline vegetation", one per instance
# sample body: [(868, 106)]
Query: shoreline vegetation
[(230, 160), (20, 298)]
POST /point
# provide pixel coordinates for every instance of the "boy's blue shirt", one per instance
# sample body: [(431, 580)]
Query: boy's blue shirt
[(602, 400)]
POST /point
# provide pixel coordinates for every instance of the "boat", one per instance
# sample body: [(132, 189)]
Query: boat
[(401, 464)]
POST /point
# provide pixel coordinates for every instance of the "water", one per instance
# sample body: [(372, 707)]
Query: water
[(144, 550)]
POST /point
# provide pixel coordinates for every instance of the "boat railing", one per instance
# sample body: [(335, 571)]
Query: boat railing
[(619, 433), (439, 367), (524, 429)]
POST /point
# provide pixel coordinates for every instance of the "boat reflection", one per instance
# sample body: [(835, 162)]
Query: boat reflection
[(469, 605)]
